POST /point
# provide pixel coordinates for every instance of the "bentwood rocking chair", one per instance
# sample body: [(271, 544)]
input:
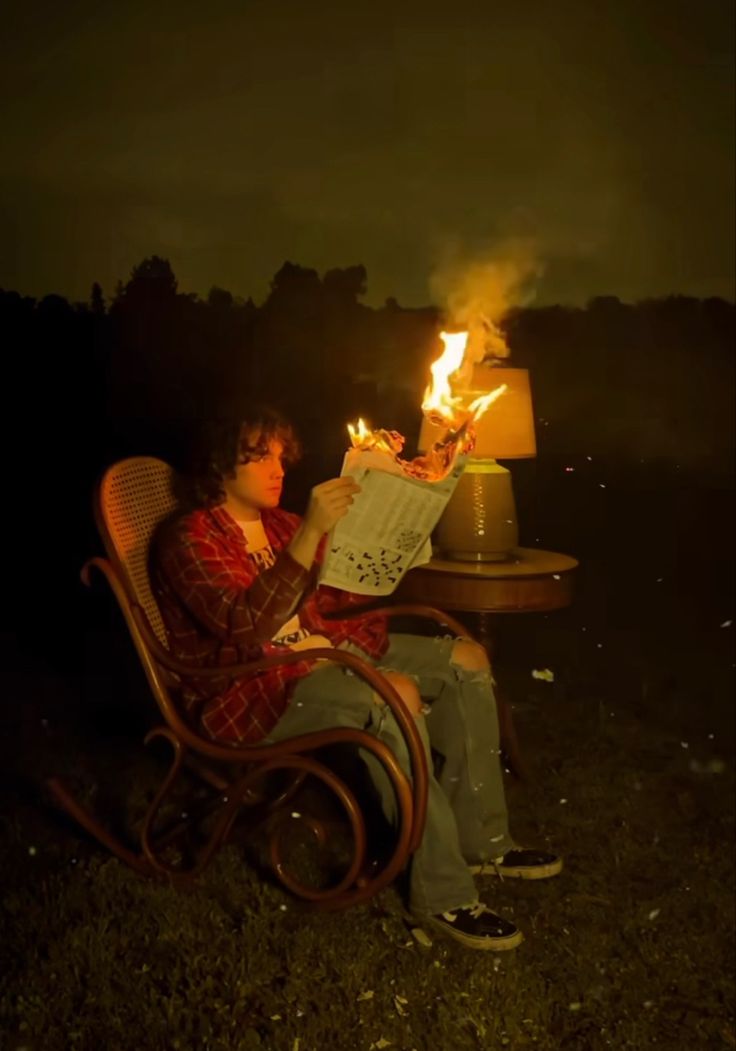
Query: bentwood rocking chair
[(133, 497)]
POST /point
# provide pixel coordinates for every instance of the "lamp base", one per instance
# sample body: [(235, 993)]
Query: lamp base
[(479, 523)]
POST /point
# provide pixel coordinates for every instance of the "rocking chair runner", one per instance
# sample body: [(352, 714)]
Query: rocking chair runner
[(133, 497)]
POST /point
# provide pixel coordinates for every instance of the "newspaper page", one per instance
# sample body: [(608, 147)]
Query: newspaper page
[(387, 529)]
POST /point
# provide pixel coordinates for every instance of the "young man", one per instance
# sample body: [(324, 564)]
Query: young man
[(235, 580)]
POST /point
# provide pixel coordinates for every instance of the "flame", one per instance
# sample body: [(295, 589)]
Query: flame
[(443, 404), (362, 436), (479, 405), (358, 432), (439, 402)]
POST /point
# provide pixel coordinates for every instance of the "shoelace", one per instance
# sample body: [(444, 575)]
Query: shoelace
[(475, 911), (494, 863)]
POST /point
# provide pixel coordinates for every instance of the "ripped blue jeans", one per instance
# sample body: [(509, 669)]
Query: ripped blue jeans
[(466, 810)]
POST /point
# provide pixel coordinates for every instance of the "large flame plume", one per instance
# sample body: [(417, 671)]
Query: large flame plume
[(443, 404)]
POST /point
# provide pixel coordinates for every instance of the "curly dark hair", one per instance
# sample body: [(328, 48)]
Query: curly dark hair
[(222, 444)]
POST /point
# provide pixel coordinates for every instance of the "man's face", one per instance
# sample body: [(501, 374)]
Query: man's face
[(257, 484)]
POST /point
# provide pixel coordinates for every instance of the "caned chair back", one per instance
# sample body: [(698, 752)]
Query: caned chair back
[(134, 497)]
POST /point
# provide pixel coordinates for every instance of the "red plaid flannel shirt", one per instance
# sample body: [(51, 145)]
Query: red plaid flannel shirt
[(219, 610)]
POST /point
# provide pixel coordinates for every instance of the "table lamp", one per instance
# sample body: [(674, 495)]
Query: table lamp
[(479, 522)]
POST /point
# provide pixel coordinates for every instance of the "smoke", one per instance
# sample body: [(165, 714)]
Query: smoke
[(477, 290)]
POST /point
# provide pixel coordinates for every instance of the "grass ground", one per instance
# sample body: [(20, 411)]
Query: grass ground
[(632, 947)]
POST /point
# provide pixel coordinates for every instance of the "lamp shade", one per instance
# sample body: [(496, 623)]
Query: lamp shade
[(506, 430)]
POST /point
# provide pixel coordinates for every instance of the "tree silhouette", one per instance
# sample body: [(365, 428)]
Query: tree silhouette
[(97, 300), (346, 286), (151, 282), (219, 299)]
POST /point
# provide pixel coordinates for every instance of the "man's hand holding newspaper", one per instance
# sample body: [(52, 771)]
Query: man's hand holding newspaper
[(387, 528)]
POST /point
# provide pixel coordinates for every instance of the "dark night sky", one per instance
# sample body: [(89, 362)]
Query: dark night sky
[(230, 136)]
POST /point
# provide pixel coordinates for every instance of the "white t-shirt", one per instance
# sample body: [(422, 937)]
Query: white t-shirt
[(263, 556)]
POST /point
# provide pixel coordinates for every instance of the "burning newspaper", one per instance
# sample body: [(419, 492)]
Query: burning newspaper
[(387, 529)]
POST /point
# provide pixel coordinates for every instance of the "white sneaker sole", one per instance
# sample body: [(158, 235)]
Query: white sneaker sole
[(518, 872), (470, 942)]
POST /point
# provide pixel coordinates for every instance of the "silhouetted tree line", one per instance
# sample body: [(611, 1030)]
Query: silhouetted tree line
[(638, 397)]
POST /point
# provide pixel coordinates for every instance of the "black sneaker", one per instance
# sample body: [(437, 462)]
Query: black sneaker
[(476, 927), (521, 863)]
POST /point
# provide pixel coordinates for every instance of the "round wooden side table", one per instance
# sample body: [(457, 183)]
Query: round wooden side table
[(531, 581)]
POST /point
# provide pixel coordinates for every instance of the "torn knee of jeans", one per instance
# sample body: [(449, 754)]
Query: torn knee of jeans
[(465, 658), (463, 674)]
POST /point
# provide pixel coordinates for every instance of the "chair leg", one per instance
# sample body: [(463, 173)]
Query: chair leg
[(64, 798)]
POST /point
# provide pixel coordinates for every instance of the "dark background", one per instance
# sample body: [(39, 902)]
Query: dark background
[(230, 137)]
